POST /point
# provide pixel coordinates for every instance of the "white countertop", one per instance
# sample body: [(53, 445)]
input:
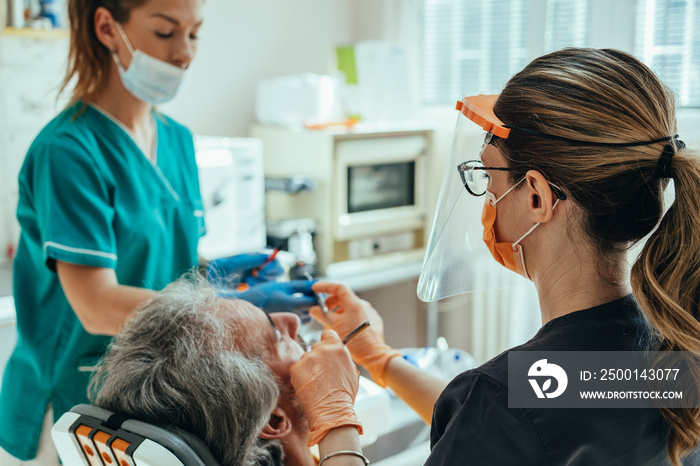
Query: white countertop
[(7, 310), (377, 271)]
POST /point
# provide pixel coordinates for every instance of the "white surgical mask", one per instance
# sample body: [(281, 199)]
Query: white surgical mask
[(149, 79)]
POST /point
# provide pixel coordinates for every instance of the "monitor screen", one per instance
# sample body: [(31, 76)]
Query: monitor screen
[(380, 186)]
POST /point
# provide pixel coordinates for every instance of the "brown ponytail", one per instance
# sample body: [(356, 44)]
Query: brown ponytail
[(89, 61), (666, 282), (608, 96)]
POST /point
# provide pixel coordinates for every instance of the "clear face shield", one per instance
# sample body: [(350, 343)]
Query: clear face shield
[(457, 259)]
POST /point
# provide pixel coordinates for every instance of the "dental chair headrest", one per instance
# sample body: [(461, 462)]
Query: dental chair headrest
[(92, 436)]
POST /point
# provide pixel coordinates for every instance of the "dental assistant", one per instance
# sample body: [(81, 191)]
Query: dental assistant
[(580, 146), (110, 210)]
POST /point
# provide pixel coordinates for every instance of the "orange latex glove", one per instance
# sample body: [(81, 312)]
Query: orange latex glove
[(346, 312), (326, 382)]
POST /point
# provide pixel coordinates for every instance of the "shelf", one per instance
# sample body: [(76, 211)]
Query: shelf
[(378, 271), (58, 33)]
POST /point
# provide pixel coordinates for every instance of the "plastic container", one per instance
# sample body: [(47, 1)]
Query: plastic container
[(15, 13), (54, 11), (296, 100)]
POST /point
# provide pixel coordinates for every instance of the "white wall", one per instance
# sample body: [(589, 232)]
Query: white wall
[(243, 42)]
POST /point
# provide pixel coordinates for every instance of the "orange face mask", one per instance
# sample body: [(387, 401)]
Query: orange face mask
[(509, 255)]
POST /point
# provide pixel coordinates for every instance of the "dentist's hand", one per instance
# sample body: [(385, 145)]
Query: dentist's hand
[(346, 312), (295, 296), (326, 382), (244, 268)]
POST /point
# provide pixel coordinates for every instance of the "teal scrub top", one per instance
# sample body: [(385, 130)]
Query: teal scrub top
[(89, 196)]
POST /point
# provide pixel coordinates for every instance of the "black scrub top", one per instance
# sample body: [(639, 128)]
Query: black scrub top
[(472, 424)]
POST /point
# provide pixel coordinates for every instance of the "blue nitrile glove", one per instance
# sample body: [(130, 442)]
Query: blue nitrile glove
[(222, 272), (278, 296)]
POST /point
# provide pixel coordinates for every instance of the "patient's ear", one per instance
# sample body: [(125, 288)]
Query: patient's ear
[(279, 425)]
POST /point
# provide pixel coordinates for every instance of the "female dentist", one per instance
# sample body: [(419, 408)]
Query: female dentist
[(580, 146), (110, 210)]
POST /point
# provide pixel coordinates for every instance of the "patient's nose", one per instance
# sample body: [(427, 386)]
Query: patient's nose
[(286, 322)]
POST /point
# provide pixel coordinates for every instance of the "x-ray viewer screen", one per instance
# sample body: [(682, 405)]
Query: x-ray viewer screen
[(380, 186)]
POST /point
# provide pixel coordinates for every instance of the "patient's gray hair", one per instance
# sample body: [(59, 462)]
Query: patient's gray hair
[(175, 364)]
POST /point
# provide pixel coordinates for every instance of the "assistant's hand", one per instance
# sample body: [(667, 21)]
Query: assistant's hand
[(277, 296), (326, 382), (347, 311), (245, 267)]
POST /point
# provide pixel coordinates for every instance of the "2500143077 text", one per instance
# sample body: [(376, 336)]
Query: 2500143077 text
[(636, 374)]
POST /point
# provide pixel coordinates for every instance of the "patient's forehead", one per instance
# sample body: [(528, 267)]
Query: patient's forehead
[(251, 328)]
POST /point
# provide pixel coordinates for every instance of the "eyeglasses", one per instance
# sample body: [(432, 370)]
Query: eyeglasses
[(475, 178)]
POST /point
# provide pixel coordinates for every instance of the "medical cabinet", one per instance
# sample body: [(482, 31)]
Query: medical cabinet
[(369, 202)]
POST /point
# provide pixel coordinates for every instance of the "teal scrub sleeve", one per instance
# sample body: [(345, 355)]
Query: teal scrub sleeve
[(73, 206)]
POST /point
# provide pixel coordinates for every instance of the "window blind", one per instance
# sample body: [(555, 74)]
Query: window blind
[(471, 47), (475, 46), (668, 40), (566, 24)]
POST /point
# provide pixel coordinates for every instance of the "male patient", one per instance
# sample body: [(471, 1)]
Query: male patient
[(217, 368)]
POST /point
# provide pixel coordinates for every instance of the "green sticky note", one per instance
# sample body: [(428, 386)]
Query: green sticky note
[(346, 62)]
